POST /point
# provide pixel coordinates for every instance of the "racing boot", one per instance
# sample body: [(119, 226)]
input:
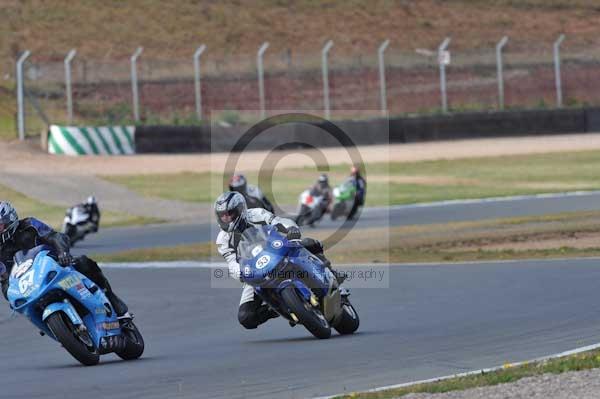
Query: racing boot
[(265, 313), (120, 307), (340, 277)]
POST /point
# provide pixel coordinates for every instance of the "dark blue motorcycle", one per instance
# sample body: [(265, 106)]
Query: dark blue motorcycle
[(294, 282), (68, 307)]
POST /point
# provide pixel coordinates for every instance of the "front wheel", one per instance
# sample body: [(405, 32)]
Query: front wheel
[(349, 320), (311, 318), (134, 342), (338, 208), (78, 344), (302, 215)]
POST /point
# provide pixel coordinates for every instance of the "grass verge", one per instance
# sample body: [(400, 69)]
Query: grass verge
[(571, 234), (404, 183), (582, 361), (54, 215), (161, 254)]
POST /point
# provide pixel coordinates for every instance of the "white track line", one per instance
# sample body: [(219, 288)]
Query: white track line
[(210, 265), (468, 373)]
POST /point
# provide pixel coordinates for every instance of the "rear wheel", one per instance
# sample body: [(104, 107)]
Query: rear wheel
[(77, 343), (134, 342), (311, 318), (349, 320)]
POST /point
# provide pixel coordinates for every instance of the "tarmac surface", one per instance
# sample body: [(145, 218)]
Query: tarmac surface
[(127, 238), (431, 320)]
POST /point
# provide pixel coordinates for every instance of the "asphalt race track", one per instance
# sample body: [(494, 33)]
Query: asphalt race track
[(126, 238), (431, 321)]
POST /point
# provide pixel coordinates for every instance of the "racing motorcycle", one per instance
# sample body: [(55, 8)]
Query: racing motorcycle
[(311, 207), (69, 308), (294, 282), (78, 223), (343, 199)]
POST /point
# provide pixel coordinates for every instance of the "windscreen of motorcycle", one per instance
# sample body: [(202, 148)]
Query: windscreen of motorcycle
[(260, 251)]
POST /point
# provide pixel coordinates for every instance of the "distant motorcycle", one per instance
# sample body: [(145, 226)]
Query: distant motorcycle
[(343, 199), (311, 208), (69, 308), (78, 223), (294, 282)]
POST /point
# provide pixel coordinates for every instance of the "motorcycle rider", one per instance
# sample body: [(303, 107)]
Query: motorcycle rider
[(322, 188), (91, 207), (361, 191), (234, 217), (253, 195), (23, 234)]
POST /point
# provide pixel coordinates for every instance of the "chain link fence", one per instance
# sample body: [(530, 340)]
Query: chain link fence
[(102, 89)]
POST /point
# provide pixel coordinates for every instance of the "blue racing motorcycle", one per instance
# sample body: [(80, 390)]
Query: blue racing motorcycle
[(68, 307), (294, 282)]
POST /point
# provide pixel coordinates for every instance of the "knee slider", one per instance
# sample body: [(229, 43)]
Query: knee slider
[(247, 319)]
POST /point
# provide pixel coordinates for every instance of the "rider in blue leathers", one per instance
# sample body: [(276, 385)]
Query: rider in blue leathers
[(23, 234)]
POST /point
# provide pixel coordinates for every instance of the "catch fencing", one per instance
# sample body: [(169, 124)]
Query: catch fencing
[(394, 79)]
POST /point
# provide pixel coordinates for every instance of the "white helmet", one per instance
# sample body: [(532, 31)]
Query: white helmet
[(91, 200)]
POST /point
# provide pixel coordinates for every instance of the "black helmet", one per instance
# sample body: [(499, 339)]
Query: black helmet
[(9, 221), (323, 180), (230, 209), (238, 183)]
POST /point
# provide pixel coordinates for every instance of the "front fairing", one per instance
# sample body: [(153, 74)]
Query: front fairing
[(45, 282), (260, 251), (267, 260), (345, 191), (28, 279)]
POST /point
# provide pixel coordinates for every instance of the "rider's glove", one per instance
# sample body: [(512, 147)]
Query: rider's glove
[(293, 233), (65, 259)]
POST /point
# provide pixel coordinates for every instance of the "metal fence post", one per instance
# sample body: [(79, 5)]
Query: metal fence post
[(499, 68), (382, 85), (69, 93), (20, 95), (441, 62), (197, 87), (134, 83), (261, 82), (324, 51), (559, 97)]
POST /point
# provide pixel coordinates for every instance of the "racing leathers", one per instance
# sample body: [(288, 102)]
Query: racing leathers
[(94, 212), (30, 233), (361, 192), (252, 312)]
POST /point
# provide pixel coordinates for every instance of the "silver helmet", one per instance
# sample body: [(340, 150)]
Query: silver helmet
[(9, 221), (230, 209)]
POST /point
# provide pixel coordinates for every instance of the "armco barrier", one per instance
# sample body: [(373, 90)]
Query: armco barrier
[(171, 139), (105, 140)]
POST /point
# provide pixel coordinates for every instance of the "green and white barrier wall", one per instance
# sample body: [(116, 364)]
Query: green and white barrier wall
[(103, 140)]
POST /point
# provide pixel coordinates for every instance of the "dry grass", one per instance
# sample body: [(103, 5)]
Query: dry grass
[(550, 236), (113, 29)]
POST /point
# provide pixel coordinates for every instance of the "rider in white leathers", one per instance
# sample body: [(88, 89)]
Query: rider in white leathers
[(233, 218)]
